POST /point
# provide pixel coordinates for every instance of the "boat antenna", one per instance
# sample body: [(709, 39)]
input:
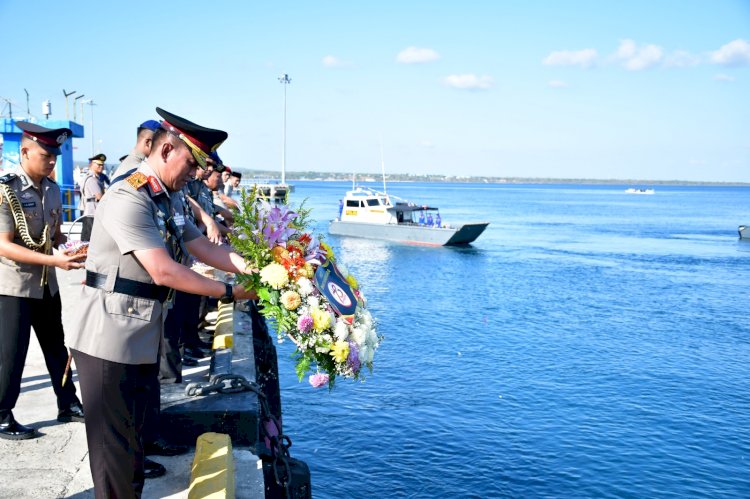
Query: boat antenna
[(382, 165), (284, 80)]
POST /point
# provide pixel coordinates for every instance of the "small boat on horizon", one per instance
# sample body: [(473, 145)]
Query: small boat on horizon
[(744, 231), (370, 214), (634, 190)]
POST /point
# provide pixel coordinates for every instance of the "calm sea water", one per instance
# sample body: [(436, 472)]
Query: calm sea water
[(591, 343)]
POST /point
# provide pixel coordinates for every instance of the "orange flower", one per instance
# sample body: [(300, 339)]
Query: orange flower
[(279, 254)]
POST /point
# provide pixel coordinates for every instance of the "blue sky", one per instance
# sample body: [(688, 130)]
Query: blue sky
[(579, 89)]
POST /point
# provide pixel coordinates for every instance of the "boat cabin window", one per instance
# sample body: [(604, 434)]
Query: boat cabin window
[(372, 202), (352, 203)]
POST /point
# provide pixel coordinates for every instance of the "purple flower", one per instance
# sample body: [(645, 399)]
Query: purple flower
[(353, 359), (318, 379), (305, 323), (274, 223), (313, 253)]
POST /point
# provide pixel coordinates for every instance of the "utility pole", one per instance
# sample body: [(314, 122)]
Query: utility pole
[(284, 80), (28, 109)]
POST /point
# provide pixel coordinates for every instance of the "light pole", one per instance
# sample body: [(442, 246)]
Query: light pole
[(67, 111), (284, 80), (75, 101), (91, 103)]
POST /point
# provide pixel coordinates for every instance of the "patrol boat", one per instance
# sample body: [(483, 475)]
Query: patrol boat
[(371, 214), (744, 231)]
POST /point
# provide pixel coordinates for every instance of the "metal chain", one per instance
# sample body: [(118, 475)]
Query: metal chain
[(280, 443)]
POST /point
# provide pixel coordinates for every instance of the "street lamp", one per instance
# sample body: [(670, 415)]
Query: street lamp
[(68, 94), (91, 103), (75, 101), (284, 80)]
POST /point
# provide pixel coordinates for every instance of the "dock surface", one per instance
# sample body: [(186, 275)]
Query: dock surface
[(56, 464)]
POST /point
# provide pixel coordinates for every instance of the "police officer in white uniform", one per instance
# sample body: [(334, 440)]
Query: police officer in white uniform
[(30, 210), (139, 236), (92, 190)]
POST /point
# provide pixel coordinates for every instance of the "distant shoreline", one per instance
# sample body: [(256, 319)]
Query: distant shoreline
[(396, 177)]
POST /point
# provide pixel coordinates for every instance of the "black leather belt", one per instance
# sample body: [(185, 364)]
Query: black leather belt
[(128, 287)]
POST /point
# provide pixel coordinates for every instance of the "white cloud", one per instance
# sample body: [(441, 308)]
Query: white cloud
[(331, 61), (681, 59), (416, 55), (469, 82), (734, 53), (723, 77), (557, 84), (584, 58), (635, 58), (427, 143)]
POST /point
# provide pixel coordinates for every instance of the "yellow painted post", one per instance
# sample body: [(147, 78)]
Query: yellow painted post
[(212, 475), (224, 330)]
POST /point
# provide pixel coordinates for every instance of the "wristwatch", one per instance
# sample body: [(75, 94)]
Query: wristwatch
[(228, 294)]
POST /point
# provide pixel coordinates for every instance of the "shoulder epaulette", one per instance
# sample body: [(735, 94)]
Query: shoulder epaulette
[(8, 178), (137, 180)]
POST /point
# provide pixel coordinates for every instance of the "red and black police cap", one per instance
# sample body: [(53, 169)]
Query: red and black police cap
[(49, 138), (200, 140)]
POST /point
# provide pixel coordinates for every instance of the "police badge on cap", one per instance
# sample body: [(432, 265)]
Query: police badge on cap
[(49, 138)]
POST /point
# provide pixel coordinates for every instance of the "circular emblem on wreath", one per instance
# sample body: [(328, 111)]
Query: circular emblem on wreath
[(62, 138), (339, 295)]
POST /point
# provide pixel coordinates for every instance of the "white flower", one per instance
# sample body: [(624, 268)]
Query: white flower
[(341, 331), (313, 302), (364, 316), (363, 353), (372, 337), (305, 286), (359, 335)]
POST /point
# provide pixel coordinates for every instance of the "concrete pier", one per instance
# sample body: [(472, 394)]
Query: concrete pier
[(56, 465)]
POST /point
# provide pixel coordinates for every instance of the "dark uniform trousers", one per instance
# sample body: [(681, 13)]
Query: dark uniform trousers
[(87, 223), (115, 399), (180, 329), (19, 315)]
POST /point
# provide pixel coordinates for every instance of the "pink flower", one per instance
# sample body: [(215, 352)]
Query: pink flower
[(318, 379), (305, 323)]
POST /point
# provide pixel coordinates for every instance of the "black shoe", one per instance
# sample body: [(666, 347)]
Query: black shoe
[(162, 448), (13, 430), (152, 469), (197, 353), (188, 361), (206, 337), (205, 345), (72, 413)]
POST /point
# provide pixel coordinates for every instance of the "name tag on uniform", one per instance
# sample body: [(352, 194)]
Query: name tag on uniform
[(179, 219), (28, 204)]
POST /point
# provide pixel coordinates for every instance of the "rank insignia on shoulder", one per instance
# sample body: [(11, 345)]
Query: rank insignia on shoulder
[(7, 178), (137, 180)]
